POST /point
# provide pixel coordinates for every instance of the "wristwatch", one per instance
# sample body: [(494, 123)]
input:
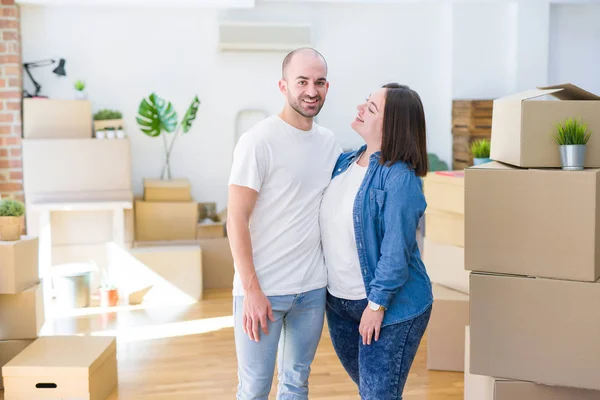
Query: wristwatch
[(375, 306)]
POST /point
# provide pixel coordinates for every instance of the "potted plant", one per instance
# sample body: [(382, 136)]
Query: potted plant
[(11, 219), (109, 295), (106, 118), (480, 149), (101, 134), (157, 117), (572, 136), (110, 132), (120, 133), (79, 90)]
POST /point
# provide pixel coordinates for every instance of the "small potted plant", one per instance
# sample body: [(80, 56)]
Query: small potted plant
[(110, 132), (79, 90), (106, 118), (572, 136), (120, 132), (11, 219), (480, 149), (109, 295), (101, 134)]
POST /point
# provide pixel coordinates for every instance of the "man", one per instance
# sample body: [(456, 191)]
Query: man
[(280, 170)]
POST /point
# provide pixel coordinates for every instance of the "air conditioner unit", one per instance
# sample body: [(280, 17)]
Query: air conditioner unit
[(262, 36)]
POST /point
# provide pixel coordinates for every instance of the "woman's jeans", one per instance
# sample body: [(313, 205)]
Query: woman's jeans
[(381, 368)]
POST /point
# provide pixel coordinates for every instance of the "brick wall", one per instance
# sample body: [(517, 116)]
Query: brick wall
[(11, 84)]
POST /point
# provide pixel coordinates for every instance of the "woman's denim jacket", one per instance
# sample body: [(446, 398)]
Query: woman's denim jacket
[(387, 209)]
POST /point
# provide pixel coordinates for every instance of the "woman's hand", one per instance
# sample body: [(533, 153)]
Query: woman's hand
[(370, 324)]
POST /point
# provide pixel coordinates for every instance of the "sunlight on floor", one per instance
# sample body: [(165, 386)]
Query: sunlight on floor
[(174, 329)]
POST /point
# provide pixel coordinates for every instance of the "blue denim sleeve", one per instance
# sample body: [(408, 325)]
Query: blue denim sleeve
[(404, 206)]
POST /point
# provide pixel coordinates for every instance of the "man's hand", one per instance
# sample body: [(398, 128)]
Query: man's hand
[(370, 324), (256, 309)]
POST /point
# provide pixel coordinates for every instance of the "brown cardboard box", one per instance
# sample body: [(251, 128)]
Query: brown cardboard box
[(535, 222), (446, 330), (57, 119), (210, 231), (158, 221), (167, 190), (8, 350), (217, 263), (165, 270), (22, 315), (73, 367), (19, 267), (76, 165), (445, 227), (476, 387), (523, 125), (444, 191), (445, 264), (535, 329)]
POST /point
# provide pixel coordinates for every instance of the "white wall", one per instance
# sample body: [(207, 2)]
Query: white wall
[(442, 50), (575, 46)]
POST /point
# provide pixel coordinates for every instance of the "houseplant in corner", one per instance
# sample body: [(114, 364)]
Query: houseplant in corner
[(572, 136), (157, 117), (11, 219), (480, 149)]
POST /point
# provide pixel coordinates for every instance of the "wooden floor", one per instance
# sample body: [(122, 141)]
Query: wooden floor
[(188, 353)]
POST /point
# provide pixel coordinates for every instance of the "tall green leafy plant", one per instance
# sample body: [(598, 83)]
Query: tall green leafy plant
[(571, 132), (157, 117)]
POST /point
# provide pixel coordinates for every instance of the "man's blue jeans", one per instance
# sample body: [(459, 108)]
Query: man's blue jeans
[(295, 335), (381, 368)]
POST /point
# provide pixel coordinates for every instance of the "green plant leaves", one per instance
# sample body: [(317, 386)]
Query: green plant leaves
[(190, 115), (156, 115), (11, 208), (571, 132), (105, 114), (481, 148)]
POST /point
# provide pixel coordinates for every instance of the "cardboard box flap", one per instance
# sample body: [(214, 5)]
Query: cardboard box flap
[(528, 94), (494, 165), (443, 293), (173, 183), (568, 91), (73, 356)]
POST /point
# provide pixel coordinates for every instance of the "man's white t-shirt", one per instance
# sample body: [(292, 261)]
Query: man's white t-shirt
[(345, 279), (290, 169)]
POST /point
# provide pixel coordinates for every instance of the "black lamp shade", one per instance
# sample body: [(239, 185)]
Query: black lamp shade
[(60, 70)]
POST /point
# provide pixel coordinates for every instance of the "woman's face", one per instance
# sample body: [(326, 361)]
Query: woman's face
[(369, 121)]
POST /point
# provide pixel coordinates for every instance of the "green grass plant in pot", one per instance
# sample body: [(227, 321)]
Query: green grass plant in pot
[(157, 117), (572, 136), (11, 219), (480, 149)]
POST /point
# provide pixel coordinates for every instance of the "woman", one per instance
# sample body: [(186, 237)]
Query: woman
[(379, 295)]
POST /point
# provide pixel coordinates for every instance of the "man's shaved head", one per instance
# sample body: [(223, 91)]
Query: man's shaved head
[(301, 53)]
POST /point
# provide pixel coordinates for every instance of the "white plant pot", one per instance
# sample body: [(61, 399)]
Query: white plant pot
[(79, 95), (120, 134), (100, 134), (110, 134)]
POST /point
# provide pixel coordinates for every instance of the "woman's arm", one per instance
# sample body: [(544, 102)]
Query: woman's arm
[(403, 207)]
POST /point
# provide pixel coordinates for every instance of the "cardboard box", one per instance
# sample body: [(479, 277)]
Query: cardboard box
[(167, 190), (8, 350), (534, 222), (210, 231), (164, 272), (523, 125), (76, 165), (22, 315), (476, 387), (445, 191), (446, 330), (159, 221), (445, 227), (217, 263), (19, 267), (535, 329), (445, 264), (61, 367), (57, 119)]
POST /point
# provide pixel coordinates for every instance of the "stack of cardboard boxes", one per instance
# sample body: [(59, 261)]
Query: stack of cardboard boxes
[(443, 255), (532, 234)]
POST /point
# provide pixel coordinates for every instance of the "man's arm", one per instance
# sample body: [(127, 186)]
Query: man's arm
[(256, 305)]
